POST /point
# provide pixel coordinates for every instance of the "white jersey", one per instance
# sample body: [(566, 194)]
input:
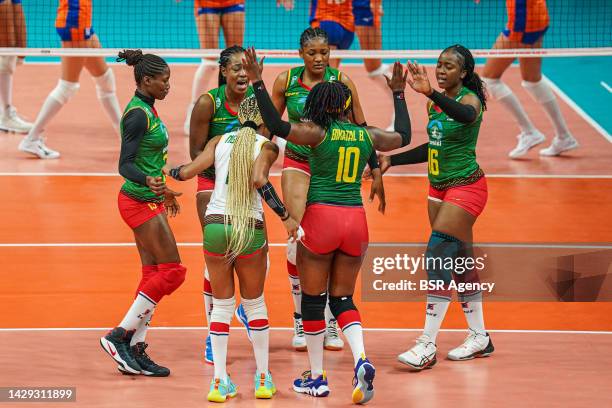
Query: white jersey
[(223, 152)]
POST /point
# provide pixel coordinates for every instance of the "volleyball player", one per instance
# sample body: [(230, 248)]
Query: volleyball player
[(528, 21), (457, 196), (336, 235), (143, 202), (337, 20), (73, 24), (12, 34)]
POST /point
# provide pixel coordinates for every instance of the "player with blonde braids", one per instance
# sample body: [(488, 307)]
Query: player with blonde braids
[(234, 239)]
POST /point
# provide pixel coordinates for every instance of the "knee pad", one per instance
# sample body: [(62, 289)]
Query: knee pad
[(497, 88), (540, 91), (313, 307), (440, 257), (173, 275), (257, 313), (64, 91), (345, 311), (148, 271), (292, 252), (105, 84), (8, 63), (221, 316)]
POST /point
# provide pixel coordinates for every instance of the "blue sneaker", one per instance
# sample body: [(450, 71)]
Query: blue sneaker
[(363, 390), (220, 391), (242, 317), (307, 385), (264, 386), (208, 355)]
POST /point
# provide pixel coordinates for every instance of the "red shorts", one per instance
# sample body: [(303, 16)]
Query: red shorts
[(205, 184), (136, 213), (472, 197), (330, 227), (292, 164)]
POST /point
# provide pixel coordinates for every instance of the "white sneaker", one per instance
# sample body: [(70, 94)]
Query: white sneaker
[(332, 341), (37, 147), (476, 344), (11, 122), (525, 142), (560, 145), (422, 355), (299, 339)]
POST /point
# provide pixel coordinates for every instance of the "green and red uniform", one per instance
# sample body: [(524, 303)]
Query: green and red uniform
[(334, 217), (454, 175), (296, 92), (224, 120)]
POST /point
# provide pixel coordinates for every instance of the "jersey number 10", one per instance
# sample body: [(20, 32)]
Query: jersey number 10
[(345, 157)]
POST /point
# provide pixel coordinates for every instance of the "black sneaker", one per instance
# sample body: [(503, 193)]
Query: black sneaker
[(117, 344), (149, 368)]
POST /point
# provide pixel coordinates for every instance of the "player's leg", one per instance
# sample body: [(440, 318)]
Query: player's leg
[(541, 92), (295, 183), (339, 38), (232, 22), (205, 188)]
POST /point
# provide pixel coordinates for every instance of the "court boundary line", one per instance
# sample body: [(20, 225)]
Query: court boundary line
[(277, 174), (373, 329), (572, 104)]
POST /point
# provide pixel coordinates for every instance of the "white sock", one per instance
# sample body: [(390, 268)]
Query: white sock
[(257, 315), (328, 314), (512, 103), (6, 85), (105, 90), (434, 316), (141, 308), (314, 344), (141, 331), (208, 298), (223, 311), (474, 316), (542, 93), (52, 105), (354, 336)]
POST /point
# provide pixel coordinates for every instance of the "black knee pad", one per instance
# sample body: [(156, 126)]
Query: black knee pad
[(313, 307), (341, 304)]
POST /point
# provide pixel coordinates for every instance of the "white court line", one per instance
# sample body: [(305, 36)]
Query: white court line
[(56, 329), (606, 86), (284, 244), (277, 174), (578, 109)]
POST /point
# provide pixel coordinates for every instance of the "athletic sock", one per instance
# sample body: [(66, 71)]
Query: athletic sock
[(350, 323), (434, 316), (257, 315), (223, 310), (140, 309), (208, 298)]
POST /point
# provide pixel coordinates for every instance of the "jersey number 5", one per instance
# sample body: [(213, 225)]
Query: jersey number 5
[(432, 161), (345, 157)]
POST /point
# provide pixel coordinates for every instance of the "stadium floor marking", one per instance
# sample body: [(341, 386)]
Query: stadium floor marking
[(277, 174), (606, 86), (38, 329)]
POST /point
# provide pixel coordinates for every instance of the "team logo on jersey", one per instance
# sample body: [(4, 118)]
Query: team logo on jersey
[(294, 79), (332, 78), (434, 128), (218, 102)]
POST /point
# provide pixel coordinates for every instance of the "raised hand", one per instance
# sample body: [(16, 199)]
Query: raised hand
[(397, 82), (251, 66), (418, 78)]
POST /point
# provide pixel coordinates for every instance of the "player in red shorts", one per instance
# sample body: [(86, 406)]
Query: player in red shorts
[(290, 91), (528, 21), (336, 233), (144, 201), (457, 196)]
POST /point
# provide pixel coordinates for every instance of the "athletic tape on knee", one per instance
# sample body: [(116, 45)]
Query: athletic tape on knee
[(313, 307), (380, 71), (497, 88), (105, 85), (172, 275), (221, 316), (345, 311), (64, 91), (257, 313), (540, 91), (8, 63), (292, 252)]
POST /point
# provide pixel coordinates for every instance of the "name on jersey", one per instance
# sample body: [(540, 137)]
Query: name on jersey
[(347, 135), (287, 94)]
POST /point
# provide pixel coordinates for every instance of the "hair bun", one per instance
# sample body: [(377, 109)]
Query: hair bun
[(131, 57)]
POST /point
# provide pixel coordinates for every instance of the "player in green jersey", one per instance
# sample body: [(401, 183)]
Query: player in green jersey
[(143, 202), (330, 254), (290, 91), (216, 113), (457, 196)]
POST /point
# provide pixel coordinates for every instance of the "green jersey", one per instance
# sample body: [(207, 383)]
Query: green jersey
[(452, 146), (224, 119), (295, 99), (152, 152), (336, 165)]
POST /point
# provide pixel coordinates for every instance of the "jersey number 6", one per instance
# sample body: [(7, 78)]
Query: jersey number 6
[(434, 170), (344, 164)]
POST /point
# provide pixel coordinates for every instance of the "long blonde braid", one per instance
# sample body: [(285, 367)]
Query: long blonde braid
[(240, 194)]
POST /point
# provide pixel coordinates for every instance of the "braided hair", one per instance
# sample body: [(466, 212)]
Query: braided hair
[(310, 34), (144, 64), (472, 81), (224, 59), (326, 103)]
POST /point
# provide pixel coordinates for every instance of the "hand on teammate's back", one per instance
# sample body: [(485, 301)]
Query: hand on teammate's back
[(251, 66), (397, 83)]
